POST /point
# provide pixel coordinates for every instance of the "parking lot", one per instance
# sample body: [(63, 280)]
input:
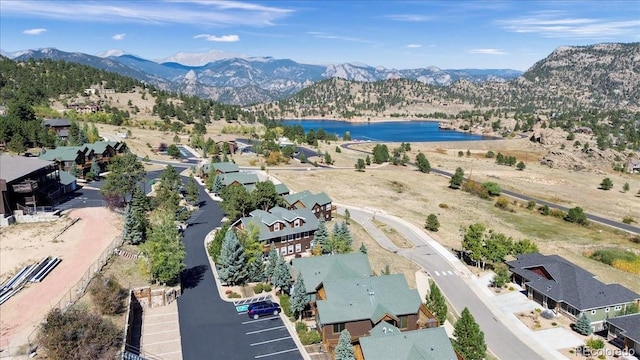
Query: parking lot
[(268, 338)]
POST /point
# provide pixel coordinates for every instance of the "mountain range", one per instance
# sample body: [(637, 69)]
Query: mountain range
[(247, 80)]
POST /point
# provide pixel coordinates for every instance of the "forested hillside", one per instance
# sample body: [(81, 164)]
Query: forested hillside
[(27, 89)]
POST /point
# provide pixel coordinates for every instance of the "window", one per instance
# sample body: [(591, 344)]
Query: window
[(296, 223), (283, 239), (337, 328), (290, 249), (298, 236), (617, 308), (298, 248), (593, 312), (606, 309), (306, 234), (283, 250), (402, 322)]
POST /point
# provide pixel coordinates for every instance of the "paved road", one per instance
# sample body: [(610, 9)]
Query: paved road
[(599, 219), (211, 328), (454, 283)]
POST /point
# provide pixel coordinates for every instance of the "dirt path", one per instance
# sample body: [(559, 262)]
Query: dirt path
[(79, 247)]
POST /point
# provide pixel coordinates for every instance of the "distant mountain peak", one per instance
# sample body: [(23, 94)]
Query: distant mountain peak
[(200, 59)]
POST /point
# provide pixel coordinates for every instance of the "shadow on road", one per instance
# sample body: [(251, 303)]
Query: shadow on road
[(191, 277)]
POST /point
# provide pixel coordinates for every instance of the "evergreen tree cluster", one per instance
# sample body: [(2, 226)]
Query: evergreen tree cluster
[(338, 242)]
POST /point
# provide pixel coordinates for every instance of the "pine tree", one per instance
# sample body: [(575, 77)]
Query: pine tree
[(95, 168), (469, 339), (281, 275), (129, 222), (344, 350), (363, 249), (232, 261), (321, 237), (255, 270), (436, 303), (217, 184), (192, 190), (299, 298), (133, 231), (270, 266), (432, 223), (456, 180), (583, 325)]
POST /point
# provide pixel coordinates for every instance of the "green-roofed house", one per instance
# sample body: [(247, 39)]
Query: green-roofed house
[(219, 168), (248, 180), (103, 152), (317, 269), (282, 189), (358, 304), (319, 204), (289, 231), (388, 342), (69, 157)]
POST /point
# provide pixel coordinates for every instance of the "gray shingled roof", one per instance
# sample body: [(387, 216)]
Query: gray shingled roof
[(241, 178), (14, 167), (282, 189), (316, 269), (57, 122), (62, 153), (292, 198), (630, 324), (226, 167), (277, 214), (387, 342), (367, 298), (569, 283)]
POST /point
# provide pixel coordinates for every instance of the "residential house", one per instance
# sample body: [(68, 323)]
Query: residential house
[(561, 286), (289, 231), (633, 166), (624, 331), (227, 146), (317, 269), (248, 180), (219, 168), (319, 204), (59, 126), (388, 342), (27, 182), (282, 189), (103, 152), (74, 159), (358, 304)]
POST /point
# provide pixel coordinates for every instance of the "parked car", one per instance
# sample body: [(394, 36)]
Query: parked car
[(261, 308)]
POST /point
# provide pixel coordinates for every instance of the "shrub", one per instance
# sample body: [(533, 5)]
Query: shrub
[(490, 154), (531, 205), (635, 239), (234, 295), (443, 206), (285, 304), (554, 324), (108, 295), (594, 343), (628, 219), (266, 287), (301, 327), (545, 210), (475, 188), (258, 288), (609, 255), (79, 333), (309, 337), (492, 188), (502, 203), (557, 213)]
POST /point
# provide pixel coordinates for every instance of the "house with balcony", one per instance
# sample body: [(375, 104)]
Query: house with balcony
[(563, 287), (289, 231), (58, 126), (624, 331), (319, 204), (315, 270), (73, 159), (386, 341), (26, 183), (359, 304), (248, 180)]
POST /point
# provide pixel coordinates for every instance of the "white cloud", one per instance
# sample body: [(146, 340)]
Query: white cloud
[(487, 51), (210, 13), (413, 46), (409, 18), (34, 31), (323, 35), (223, 38), (119, 36), (554, 24)]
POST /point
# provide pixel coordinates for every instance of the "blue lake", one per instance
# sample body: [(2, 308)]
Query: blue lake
[(392, 131)]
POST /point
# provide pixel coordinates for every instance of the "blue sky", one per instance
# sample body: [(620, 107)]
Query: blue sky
[(393, 34)]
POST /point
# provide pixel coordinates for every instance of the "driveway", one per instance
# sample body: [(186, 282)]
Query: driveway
[(210, 327)]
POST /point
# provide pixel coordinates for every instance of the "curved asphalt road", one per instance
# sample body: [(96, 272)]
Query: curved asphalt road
[(458, 289), (599, 219)]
